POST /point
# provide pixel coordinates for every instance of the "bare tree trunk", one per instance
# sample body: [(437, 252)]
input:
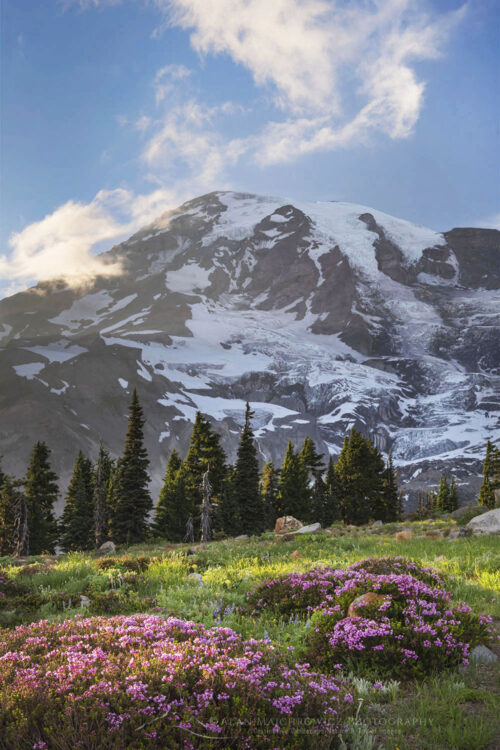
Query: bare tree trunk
[(206, 521), (21, 528), (189, 535)]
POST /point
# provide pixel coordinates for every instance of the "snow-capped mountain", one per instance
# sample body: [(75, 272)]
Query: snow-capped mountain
[(324, 316)]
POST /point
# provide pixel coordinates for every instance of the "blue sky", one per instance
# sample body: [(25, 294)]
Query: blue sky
[(114, 111)]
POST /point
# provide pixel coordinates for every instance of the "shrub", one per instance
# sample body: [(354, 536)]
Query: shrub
[(301, 593), (145, 682), (413, 632)]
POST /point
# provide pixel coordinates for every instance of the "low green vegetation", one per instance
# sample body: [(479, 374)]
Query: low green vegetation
[(221, 583)]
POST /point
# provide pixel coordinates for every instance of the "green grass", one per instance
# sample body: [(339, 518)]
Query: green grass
[(449, 712)]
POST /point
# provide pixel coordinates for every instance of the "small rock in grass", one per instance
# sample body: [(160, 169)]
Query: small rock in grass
[(84, 601), (197, 548), (295, 555), (377, 523), (241, 538), (482, 655), (433, 535), (404, 536), (356, 607), (108, 548), (196, 577)]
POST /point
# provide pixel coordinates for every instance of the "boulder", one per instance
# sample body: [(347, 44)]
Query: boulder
[(241, 538), (487, 523), (285, 524), (311, 529), (108, 548), (358, 605), (482, 655), (377, 523), (404, 536)]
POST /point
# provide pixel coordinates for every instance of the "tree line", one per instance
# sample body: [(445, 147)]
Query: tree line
[(110, 499)]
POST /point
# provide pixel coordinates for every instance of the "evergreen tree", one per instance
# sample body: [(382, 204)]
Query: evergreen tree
[(228, 511), (102, 480), (443, 496), (131, 499), (269, 492), (8, 502), (486, 495), (76, 525), (312, 461), (318, 500), (332, 493), (453, 496), (171, 513), (205, 452), (41, 492), (390, 507), (360, 472), (245, 481), (491, 477), (2, 476), (294, 497)]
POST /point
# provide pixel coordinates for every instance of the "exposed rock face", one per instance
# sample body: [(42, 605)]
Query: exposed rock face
[(324, 316), (356, 608), (108, 548), (487, 523), (285, 524)]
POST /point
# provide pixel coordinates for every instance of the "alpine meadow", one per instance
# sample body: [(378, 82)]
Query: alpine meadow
[(249, 444)]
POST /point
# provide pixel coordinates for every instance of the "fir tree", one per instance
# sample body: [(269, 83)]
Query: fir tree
[(360, 471), (312, 462), (390, 507), (205, 452), (486, 495), (293, 488), (443, 496), (41, 493), (453, 496), (8, 502), (245, 481), (102, 480), (332, 492), (131, 499), (269, 492), (76, 525), (228, 511), (318, 500), (171, 512), (491, 477)]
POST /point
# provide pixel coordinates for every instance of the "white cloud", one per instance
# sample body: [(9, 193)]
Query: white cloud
[(61, 244), (168, 79), (490, 222), (318, 57)]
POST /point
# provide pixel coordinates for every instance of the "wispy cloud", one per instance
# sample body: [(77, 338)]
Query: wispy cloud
[(61, 244), (337, 73), (318, 57)]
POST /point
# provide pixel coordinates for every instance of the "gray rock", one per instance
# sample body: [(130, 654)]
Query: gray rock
[(196, 577), (311, 529), (241, 538), (487, 523), (464, 509), (267, 262), (454, 534), (377, 523), (482, 655), (108, 548), (84, 601)]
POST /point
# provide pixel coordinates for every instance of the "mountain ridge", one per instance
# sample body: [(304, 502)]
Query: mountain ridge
[(325, 316)]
